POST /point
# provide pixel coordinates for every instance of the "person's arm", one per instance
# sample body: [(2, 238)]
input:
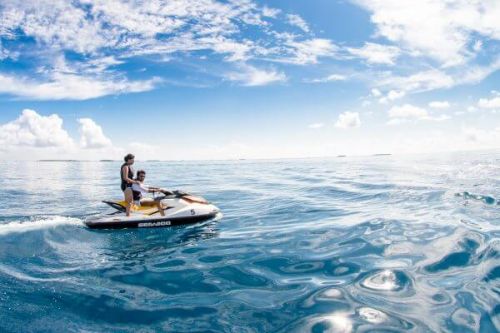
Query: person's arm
[(158, 189), (154, 189), (125, 175)]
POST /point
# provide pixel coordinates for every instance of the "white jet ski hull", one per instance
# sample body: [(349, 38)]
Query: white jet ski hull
[(181, 209)]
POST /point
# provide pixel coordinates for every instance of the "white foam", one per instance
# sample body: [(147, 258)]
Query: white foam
[(384, 280), (41, 223), (372, 315), (218, 216)]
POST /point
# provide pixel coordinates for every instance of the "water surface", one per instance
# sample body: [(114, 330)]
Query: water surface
[(356, 244)]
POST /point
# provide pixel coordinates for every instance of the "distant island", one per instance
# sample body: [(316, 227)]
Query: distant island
[(341, 155)]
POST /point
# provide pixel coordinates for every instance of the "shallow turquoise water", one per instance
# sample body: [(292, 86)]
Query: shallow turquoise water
[(384, 243)]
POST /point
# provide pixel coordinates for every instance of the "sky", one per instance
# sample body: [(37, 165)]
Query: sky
[(232, 79)]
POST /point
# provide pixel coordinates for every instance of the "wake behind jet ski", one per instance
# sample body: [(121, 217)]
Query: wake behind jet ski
[(179, 208)]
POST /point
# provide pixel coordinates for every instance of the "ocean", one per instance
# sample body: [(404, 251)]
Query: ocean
[(351, 244)]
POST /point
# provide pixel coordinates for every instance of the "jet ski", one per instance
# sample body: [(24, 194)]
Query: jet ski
[(179, 207)]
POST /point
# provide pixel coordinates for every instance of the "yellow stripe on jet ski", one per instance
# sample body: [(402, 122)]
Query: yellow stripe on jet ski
[(146, 210)]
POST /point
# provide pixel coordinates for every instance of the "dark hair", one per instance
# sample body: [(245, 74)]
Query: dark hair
[(141, 172), (128, 157)]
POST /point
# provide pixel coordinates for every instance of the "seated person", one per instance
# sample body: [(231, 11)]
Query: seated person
[(138, 189)]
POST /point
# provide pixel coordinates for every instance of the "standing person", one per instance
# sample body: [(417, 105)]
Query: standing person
[(127, 176), (138, 189)]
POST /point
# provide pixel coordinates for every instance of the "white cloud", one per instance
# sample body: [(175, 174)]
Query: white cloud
[(308, 51), (348, 120), (107, 33), (476, 73), (34, 130), (408, 111), (237, 51), (94, 27), (316, 125), (439, 118), (392, 96), (98, 31), (376, 53), (436, 79), (421, 81), (270, 12), (254, 18), (3, 52), (251, 76), (439, 104), (336, 77), (100, 65), (91, 135), (375, 92), (491, 103), (298, 21), (443, 30), (116, 23), (71, 86), (33, 136), (329, 78), (54, 24)]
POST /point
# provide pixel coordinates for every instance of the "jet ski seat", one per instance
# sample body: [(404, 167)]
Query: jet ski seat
[(122, 206)]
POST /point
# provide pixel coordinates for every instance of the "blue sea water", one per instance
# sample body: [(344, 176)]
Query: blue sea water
[(355, 244)]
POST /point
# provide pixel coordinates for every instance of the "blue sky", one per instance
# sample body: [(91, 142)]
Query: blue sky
[(206, 79)]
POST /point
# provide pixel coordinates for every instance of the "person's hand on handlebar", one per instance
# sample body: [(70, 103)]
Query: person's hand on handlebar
[(166, 192)]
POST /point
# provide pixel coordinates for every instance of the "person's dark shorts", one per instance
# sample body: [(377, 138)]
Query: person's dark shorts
[(124, 187)]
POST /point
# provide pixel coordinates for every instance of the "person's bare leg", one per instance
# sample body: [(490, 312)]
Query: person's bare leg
[(150, 203), (129, 198), (160, 208)]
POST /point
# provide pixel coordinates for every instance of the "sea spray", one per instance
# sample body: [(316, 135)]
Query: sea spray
[(38, 223)]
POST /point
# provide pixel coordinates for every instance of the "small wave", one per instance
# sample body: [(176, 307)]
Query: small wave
[(37, 224), (484, 198)]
